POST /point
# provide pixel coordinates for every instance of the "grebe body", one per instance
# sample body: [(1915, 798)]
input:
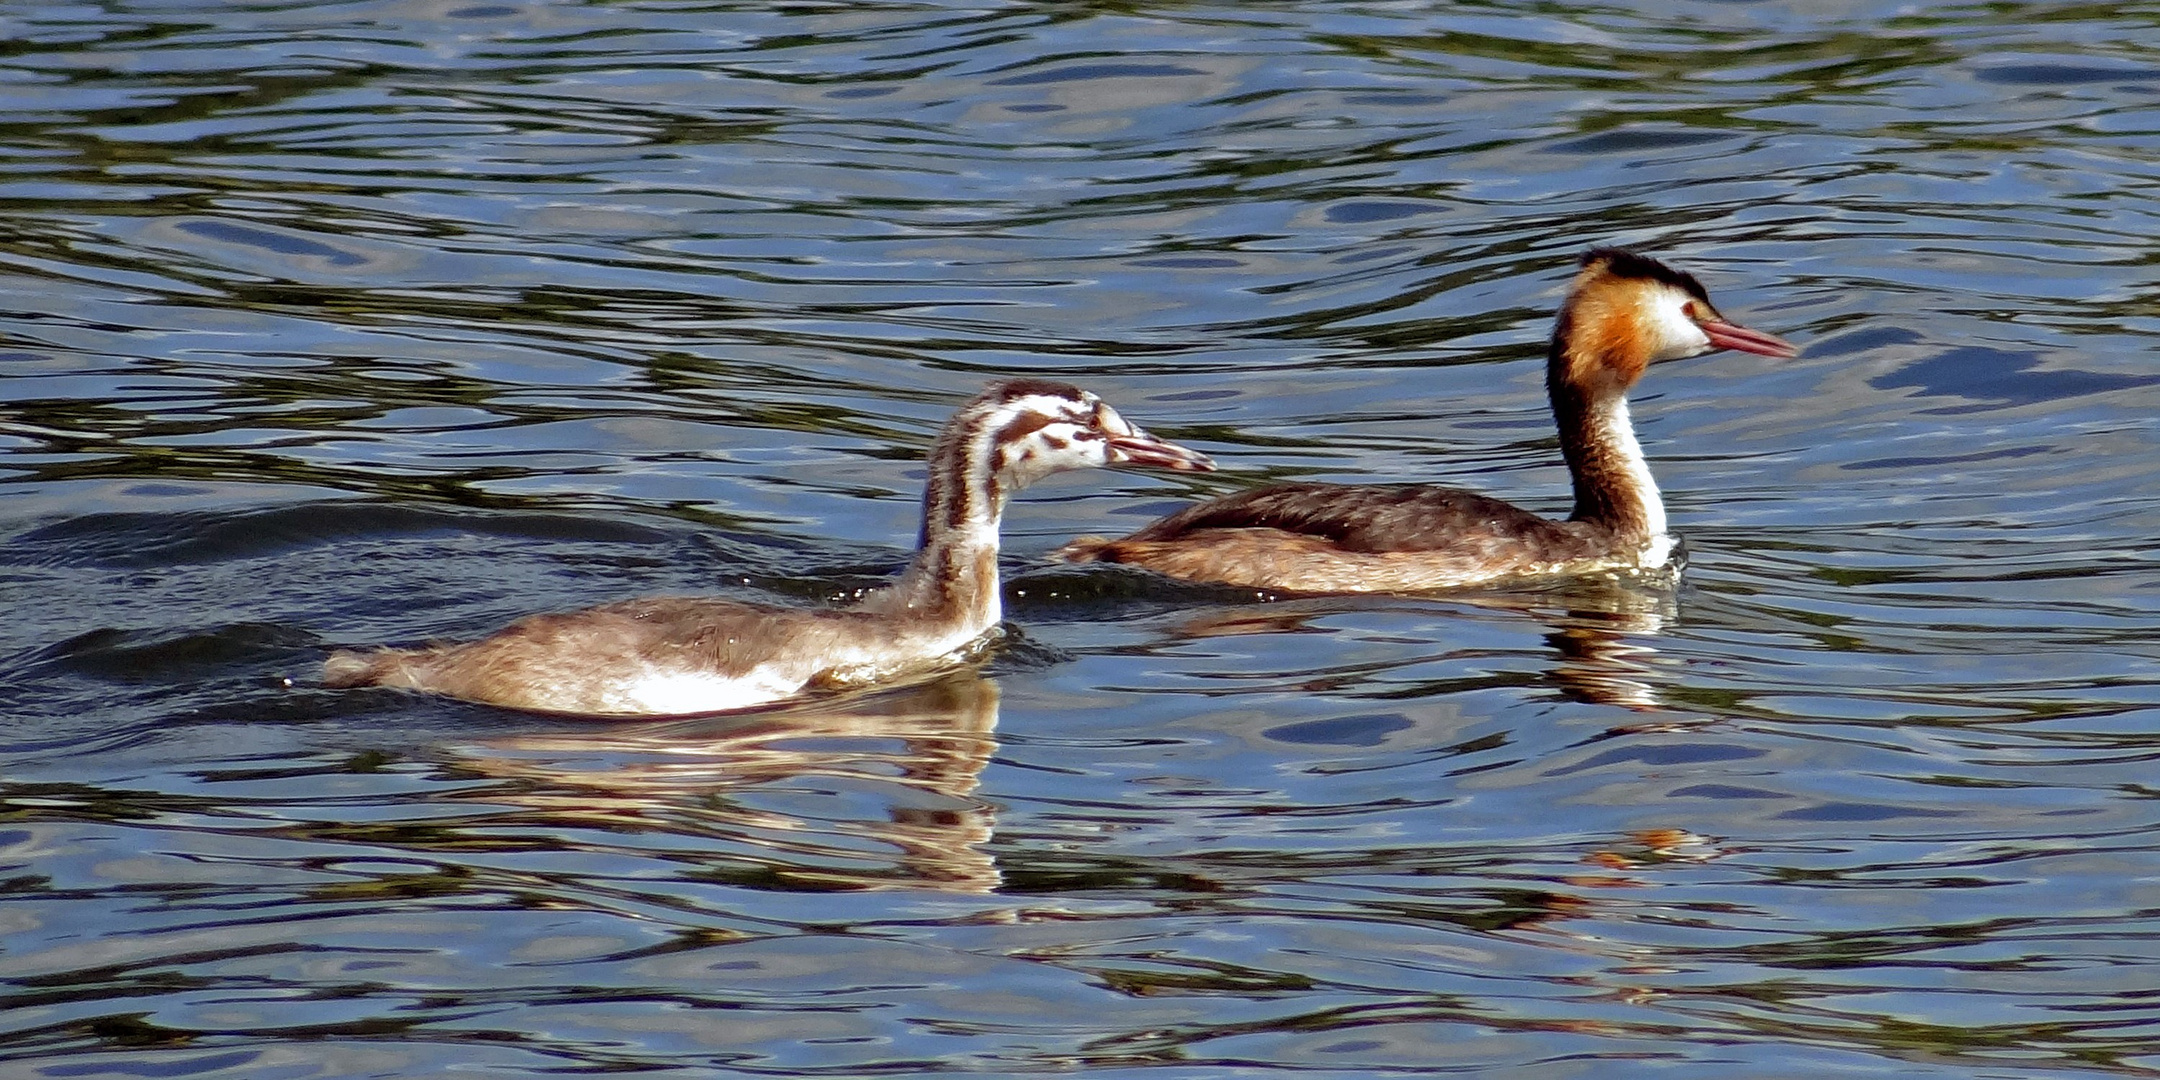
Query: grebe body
[(671, 656), (1623, 312)]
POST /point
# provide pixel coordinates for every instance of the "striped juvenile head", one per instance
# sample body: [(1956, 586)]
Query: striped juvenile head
[(1026, 429), (1019, 431)]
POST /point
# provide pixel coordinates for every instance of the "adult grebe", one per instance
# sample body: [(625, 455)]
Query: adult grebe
[(1623, 313)]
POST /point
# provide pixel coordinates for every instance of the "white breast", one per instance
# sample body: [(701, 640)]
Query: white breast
[(677, 691), (1659, 551), (657, 689)]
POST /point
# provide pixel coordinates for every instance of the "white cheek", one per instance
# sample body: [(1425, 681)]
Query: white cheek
[(1689, 340), (1079, 448), (1048, 458), (1083, 456), (1676, 333)]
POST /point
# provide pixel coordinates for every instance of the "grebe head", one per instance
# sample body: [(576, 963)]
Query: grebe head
[(1037, 427), (1021, 430), (1627, 311)]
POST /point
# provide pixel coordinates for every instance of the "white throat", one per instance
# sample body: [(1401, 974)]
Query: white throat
[(1620, 429)]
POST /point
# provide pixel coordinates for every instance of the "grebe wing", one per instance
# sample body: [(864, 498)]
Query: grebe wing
[(1365, 518)]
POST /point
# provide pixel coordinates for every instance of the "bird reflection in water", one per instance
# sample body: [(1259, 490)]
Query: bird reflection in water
[(756, 784), (1597, 628), (1605, 657)]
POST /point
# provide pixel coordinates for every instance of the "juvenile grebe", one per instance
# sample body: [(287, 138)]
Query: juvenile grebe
[(1623, 313), (672, 656)]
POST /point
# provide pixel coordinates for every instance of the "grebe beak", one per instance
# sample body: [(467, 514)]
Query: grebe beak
[(1141, 448), (1725, 335)]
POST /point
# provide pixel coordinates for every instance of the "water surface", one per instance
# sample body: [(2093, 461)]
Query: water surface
[(330, 324)]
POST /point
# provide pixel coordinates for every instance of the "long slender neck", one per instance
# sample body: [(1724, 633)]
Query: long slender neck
[(1613, 486), (954, 574)]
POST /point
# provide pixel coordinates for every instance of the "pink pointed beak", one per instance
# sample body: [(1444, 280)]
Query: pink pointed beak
[(1727, 335), (1141, 448)]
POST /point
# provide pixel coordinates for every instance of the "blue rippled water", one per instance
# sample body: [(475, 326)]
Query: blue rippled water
[(327, 324)]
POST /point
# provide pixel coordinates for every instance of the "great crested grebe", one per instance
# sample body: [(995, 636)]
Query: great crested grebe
[(672, 656), (1623, 313)]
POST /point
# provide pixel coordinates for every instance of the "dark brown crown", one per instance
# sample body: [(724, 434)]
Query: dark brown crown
[(1009, 389), (1621, 262)]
